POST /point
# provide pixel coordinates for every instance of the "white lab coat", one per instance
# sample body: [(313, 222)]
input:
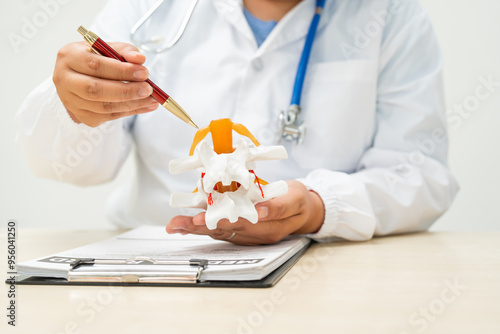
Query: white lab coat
[(376, 145)]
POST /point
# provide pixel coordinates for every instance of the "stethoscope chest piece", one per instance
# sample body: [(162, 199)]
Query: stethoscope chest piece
[(289, 127)]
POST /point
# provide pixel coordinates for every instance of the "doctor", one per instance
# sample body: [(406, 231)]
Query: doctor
[(373, 161)]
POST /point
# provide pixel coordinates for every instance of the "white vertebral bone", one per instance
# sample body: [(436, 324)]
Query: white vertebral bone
[(228, 168)]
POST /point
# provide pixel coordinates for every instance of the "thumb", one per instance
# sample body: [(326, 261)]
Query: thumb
[(273, 209)]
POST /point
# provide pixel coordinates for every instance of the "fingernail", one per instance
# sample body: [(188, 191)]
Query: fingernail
[(178, 227), (153, 106), (141, 75), (146, 91), (176, 231), (262, 211), (133, 54), (198, 220)]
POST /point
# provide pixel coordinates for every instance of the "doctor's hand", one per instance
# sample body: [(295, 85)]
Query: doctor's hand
[(299, 211), (96, 89)]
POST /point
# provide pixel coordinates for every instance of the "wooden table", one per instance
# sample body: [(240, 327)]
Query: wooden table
[(446, 282)]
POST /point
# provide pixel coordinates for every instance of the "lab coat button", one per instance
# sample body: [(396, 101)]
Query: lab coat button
[(257, 64)]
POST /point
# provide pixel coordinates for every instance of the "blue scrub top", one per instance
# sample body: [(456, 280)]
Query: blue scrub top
[(261, 29)]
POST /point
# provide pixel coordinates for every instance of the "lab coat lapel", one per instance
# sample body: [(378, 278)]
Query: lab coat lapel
[(232, 11), (292, 27)]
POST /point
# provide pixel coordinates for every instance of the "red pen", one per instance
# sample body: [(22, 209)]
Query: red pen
[(102, 48)]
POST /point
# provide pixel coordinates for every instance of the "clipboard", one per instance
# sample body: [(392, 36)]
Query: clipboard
[(177, 279)]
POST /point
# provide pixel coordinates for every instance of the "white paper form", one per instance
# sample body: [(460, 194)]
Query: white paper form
[(226, 261)]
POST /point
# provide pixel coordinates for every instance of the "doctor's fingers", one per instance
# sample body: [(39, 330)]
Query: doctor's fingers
[(246, 233), (249, 237), (97, 89), (77, 57), (93, 120), (111, 107), (184, 225), (264, 232)]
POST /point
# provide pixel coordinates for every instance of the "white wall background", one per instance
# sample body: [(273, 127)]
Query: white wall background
[(468, 32)]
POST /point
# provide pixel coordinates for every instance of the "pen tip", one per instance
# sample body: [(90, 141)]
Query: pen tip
[(177, 110)]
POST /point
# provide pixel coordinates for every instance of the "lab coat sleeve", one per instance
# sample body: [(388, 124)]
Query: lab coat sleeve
[(57, 148), (402, 183)]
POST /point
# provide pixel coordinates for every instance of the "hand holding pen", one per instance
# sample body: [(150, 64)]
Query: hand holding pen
[(92, 87), (95, 89)]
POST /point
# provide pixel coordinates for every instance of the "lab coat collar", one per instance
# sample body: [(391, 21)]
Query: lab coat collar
[(232, 11), (292, 27)]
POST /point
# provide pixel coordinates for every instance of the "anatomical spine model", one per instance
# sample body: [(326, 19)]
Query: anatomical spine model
[(228, 187)]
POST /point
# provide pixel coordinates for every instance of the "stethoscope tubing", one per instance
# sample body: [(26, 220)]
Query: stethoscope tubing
[(306, 53)]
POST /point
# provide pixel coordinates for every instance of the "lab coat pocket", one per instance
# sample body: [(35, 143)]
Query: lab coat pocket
[(352, 70), (338, 109)]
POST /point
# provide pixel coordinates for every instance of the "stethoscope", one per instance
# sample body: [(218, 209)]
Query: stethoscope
[(290, 127)]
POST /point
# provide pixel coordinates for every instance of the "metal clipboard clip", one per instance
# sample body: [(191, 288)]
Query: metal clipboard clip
[(87, 270)]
